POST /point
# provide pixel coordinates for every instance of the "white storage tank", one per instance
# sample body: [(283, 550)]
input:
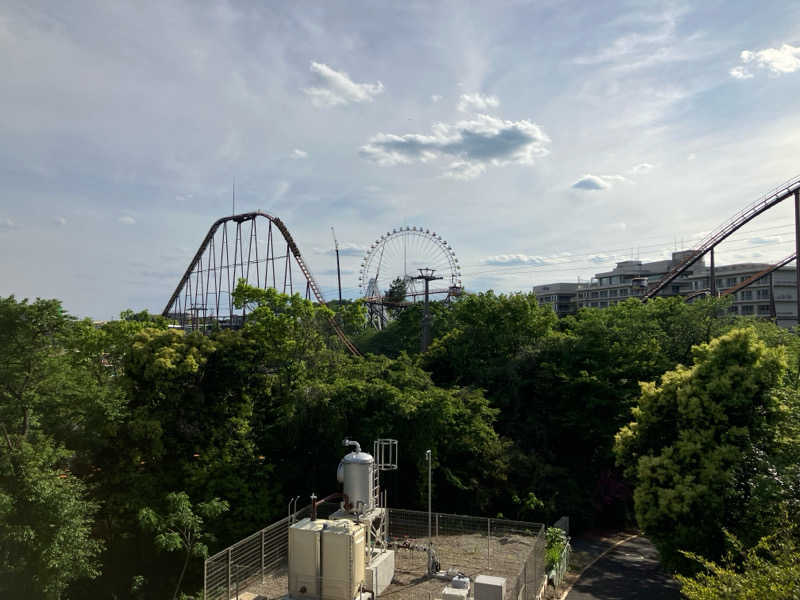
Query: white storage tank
[(357, 471)]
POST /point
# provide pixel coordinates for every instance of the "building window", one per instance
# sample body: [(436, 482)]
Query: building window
[(623, 292), (763, 309), (612, 293), (595, 294), (748, 309), (762, 294), (730, 282), (746, 295)]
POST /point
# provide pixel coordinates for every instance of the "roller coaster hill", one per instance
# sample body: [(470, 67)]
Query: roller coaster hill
[(259, 248)]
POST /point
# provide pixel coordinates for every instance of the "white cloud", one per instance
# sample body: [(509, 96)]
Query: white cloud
[(297, 153), (785, 59), (60, 221), (476, 102), (474, 144), (591, 182), (345, 249), (127, 220), (740, 73), (436, 98), (692, 156), (7, 225), (772, 239), (512, 260), (599, 259), (642, 168), (336, 88)]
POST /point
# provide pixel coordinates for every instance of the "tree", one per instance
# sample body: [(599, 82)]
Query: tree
[(695, 446), (45, 521), (397, 291), (180, 528), (770, 570)]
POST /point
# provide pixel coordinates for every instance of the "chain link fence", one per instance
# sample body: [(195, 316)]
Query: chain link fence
[(257, 565)]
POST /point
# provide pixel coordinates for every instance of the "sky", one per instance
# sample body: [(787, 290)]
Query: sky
[(544, 140)]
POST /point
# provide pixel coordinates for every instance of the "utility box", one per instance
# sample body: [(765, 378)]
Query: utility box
[(451, 593), (488, 587), (342, 558), (380, 572), (304, 558)]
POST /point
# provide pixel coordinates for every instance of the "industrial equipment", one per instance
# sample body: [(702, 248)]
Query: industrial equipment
[(347, 554)]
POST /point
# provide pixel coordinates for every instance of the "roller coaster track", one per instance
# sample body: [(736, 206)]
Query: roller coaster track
[(760, 274), (204, 292), (744, 216)]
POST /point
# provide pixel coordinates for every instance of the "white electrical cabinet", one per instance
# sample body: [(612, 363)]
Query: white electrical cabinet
[(488, 587)]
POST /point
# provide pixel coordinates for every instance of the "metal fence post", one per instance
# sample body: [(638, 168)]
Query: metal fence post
[(229, 572), (262, 556), (437, 527), (489, 543)]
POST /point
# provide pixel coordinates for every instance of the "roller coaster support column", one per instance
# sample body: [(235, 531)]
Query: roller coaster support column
[(797, 250), (713, 283), (427, 275)]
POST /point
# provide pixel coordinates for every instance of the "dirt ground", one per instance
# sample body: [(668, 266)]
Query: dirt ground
[(468, 554)]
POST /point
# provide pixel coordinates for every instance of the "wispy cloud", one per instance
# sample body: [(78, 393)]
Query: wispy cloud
[(435, 98), (297, 153), (474, 144), (61, 221), (771, 239), (477, 102), (778, 61), (345, 249), (335, 88), (642, 168), (126, 220), (511, 260), (7, 225), (592, 183)]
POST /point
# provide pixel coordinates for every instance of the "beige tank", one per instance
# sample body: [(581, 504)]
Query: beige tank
[(342, 557), (304, 558)]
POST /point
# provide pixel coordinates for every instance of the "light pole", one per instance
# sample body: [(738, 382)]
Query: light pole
[(430, 566)]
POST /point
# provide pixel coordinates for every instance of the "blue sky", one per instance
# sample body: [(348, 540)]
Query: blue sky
[(544, 140)]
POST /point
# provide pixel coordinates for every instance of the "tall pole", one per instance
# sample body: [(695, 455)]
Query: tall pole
[(339, 275), (427, 275), (797, 251), (428, 456), (338, 269), (713, 283)]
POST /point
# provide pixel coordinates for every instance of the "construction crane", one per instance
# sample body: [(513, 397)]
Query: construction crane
[(338, 270)]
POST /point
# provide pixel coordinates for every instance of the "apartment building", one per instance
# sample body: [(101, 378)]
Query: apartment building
[(772, 296)]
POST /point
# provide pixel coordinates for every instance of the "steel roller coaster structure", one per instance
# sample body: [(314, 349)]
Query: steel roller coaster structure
[(203, 296), (232, 250)]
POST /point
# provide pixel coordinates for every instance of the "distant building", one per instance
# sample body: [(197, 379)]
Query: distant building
[(772, 296), (560, 296)]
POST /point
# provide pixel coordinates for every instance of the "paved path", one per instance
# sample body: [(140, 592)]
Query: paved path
[(629, 571)]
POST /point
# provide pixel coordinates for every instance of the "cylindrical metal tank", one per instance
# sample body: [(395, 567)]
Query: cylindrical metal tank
[(356, 472)]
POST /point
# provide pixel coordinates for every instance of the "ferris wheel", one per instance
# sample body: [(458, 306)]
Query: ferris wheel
[(400, 253)]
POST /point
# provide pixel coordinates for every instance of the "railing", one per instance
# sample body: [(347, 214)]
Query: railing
[(510, 549)]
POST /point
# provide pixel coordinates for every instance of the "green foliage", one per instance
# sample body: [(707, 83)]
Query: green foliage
[(770, 570), (45, 521), (693, 448), (397, 291), (556, 541), (180, 528)]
